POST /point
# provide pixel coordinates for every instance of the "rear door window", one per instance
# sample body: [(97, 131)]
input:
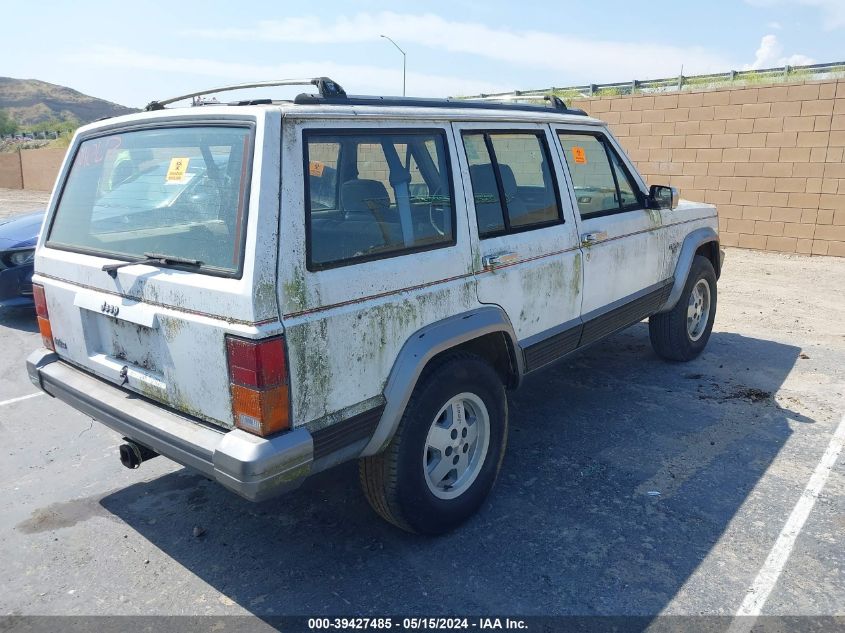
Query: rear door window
[(489, 212), (172, 191), (512, 183), (375, 194)]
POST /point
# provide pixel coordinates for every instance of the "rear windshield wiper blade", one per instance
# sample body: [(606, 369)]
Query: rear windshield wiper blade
[(152, 258)]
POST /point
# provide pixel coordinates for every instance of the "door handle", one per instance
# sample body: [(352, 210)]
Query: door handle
[(588, 239), (489, 262)]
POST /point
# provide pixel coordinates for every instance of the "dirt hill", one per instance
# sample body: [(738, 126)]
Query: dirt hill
[(30, 101)]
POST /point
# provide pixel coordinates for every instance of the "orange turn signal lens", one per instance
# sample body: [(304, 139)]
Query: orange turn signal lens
[(261, 411), (46, 333), (43, 316)]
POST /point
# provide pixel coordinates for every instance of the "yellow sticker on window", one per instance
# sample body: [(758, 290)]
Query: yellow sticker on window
[(315, 168), (579, 155), (177, 170)]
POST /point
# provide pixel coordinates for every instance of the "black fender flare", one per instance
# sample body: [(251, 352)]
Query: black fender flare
[(420, 348), (691, 244)]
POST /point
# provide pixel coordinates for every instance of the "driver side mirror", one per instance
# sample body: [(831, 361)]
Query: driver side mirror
[(663, 197)]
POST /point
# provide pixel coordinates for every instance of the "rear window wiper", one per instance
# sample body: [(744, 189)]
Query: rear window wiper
[(152, 258)]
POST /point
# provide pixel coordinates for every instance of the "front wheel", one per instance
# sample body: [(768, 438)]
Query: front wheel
[(447, 451), (682, 333)]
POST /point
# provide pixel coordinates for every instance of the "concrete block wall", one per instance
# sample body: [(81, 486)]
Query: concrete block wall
[(11, 176), (770, 157), (40, 167), (30, 168)]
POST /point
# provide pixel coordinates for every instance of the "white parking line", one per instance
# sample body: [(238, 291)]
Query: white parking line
[(768, 576), (14, 400)]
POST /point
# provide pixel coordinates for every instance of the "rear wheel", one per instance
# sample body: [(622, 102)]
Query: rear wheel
[(447, 451), (682, 333)]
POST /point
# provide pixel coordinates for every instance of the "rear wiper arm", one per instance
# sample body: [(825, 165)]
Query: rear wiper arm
[(152, 258)]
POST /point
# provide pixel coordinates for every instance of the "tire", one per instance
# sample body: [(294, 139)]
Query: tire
[(397, 482), (672, 334)]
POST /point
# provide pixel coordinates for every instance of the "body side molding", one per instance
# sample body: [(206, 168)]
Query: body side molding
[(682, 268), (576, 335), (424, 345)]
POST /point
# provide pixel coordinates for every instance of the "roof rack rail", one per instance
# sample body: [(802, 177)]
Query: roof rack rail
[(328, 88), (450, 102), (556, 102)]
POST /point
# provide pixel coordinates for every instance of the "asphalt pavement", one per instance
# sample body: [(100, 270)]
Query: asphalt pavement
[(631, 486)]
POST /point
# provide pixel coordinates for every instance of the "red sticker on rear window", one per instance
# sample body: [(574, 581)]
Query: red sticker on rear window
[(579, 155)]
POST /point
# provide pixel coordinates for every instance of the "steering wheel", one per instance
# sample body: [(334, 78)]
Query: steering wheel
[(205, 199)]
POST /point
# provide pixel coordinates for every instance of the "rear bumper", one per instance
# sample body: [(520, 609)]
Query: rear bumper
[(255, 468)]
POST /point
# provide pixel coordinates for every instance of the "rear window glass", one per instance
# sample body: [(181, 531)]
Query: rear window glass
[(174, 191), (376, 194)]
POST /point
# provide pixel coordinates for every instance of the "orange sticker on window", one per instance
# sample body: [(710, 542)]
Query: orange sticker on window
[(315, 168), (579, 155)]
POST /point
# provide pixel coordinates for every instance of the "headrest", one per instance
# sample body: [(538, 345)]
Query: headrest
[(508, 179), (361, 196), (483, 179)]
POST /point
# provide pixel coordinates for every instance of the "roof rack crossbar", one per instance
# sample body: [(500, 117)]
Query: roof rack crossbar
[(327, 88)]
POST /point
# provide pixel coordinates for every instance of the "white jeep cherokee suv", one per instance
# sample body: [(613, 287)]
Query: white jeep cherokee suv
[(262, 290)]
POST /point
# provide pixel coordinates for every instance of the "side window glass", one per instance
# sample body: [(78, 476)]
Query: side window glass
[(512, 187), (592, 177), (417, 186), (376, 194), (627, 194), (526, 179), (322, 175), (371, 165), (485, 191), (602, 184)]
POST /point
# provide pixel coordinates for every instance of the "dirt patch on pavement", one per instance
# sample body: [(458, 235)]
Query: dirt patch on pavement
[(63, 514), (749, 393), (16, 201)]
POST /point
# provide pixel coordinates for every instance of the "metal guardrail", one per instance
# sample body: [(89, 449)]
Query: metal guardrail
[(681, 82)]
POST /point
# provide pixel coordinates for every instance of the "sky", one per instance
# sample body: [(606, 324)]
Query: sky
[(132, 53)]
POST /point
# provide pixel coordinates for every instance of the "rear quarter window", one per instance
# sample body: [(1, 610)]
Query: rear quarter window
[(375, 194)]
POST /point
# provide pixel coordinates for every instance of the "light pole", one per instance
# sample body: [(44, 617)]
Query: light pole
[(403, 60)]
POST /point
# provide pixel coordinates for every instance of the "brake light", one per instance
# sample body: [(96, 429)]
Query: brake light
[(43, 316), (258, 384)]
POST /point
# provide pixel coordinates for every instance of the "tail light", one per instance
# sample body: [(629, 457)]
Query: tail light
[(259, 386), (43, 316)]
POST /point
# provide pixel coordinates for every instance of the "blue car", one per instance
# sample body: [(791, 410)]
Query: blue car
[(18, 237)]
